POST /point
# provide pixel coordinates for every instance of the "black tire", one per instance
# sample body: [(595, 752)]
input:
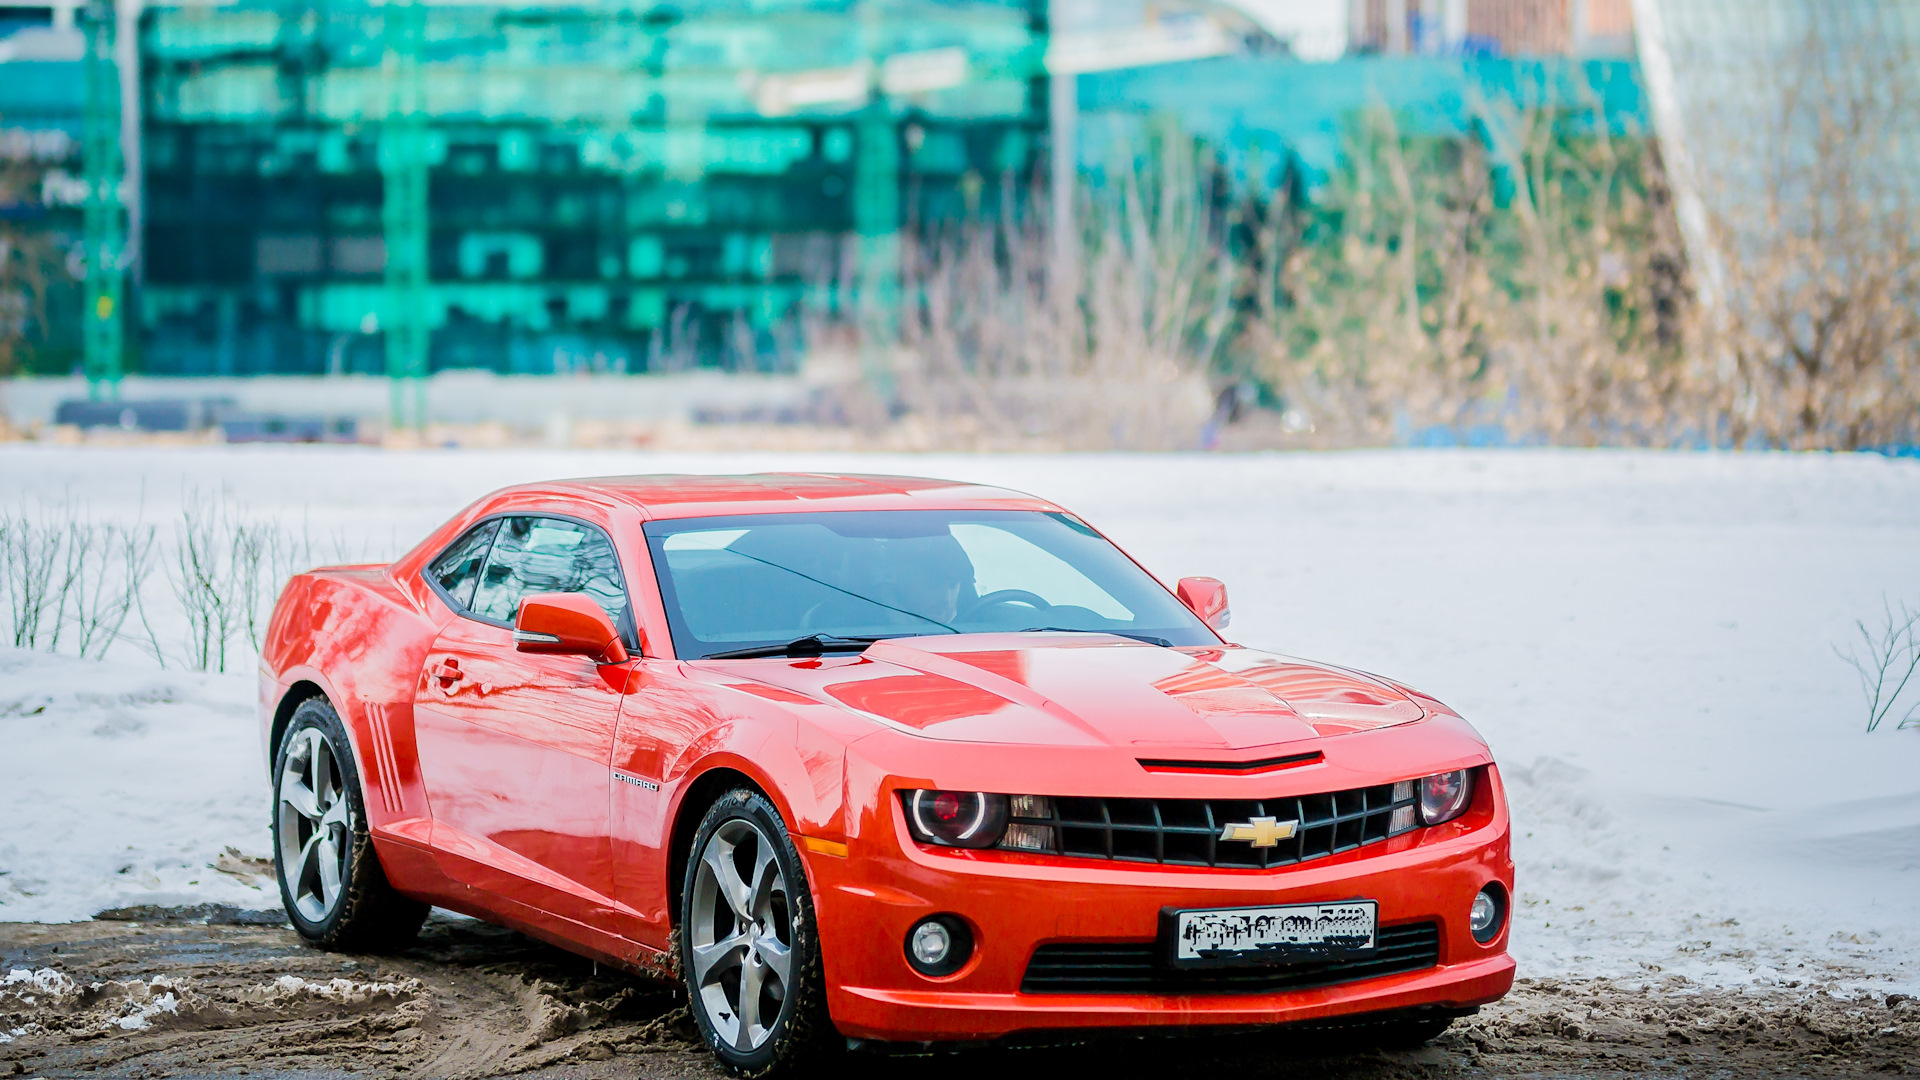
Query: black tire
[(802, 1033), (364, 913)]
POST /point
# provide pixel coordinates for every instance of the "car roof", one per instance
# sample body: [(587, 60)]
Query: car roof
[(678, 495)]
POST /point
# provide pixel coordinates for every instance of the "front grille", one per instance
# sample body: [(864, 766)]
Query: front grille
[(1186, 832), (1134, 968)]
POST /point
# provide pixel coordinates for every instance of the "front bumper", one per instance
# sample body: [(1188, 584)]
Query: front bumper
[(867, 903)]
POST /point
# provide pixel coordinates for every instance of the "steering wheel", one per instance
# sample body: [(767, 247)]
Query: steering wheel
[(1006, 596)]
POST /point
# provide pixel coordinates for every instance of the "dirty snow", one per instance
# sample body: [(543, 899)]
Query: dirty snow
[(1644, 638)]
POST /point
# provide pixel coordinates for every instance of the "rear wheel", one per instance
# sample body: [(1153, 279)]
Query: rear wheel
[(747, 945), (335, 893)]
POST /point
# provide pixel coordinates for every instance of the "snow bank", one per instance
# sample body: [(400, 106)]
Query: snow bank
[(123, 785), (1644, 638)]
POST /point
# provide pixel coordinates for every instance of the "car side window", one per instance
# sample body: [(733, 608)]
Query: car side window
[(548, 555), (458, 567)]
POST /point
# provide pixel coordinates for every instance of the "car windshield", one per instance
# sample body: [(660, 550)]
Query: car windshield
[(734, 584)]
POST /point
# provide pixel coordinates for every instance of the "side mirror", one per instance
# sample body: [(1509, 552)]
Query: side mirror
[(1207, 598), (567, 623)]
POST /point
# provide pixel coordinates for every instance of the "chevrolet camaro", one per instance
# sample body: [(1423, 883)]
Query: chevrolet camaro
[(867, 760)]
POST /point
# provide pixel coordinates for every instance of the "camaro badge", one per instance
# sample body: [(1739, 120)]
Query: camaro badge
[(1260, 832)]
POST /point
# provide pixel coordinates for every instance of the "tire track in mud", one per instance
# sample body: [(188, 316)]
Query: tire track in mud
[(203, 997), (467, 1000)]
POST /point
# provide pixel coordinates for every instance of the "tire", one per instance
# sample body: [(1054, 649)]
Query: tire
[(331, 883), (742, 931)]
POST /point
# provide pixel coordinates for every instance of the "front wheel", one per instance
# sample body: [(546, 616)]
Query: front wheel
[(331, 883), (747, 944)]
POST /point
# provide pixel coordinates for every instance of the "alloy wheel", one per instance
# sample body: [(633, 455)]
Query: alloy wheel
[(740, 936), (315, 825)]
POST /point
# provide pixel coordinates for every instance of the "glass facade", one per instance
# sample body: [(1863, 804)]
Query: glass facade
[(606, 187)]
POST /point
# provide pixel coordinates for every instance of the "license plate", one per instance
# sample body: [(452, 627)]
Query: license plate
[(1227, 937)]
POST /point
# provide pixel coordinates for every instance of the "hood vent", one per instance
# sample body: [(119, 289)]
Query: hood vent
[(1312, 757)]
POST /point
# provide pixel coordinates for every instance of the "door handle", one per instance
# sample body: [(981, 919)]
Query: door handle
[(448, 673)]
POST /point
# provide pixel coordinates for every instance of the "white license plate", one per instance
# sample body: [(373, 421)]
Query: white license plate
[(1272, 935)]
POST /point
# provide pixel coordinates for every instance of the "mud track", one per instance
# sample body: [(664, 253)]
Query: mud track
[(201, 992)]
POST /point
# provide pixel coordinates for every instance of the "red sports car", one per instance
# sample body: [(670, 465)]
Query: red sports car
[(873, 759)]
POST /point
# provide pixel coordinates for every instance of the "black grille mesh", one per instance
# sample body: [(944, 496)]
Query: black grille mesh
[(1134, 968), (1186, 832)]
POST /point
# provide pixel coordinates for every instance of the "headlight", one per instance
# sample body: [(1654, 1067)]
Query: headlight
[(1445, 796), (967, 819)]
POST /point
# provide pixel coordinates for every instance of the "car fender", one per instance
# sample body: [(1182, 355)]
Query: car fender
[(348, 632)]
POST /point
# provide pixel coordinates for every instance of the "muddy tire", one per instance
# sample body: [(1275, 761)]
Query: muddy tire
[(748, 948), (331, 883)]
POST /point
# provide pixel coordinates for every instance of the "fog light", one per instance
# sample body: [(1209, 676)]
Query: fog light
[(1489, 912), (939, 946), (931, 942)]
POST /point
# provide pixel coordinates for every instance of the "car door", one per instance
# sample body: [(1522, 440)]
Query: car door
[(514, 747)]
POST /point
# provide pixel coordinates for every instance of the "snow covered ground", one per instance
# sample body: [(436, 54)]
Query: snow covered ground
[(1645, 639), (120, 784)]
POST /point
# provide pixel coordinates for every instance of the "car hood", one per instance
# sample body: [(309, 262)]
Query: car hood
[(1072, 689)]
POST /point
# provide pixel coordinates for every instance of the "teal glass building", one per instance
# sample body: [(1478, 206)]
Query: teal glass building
[(607, 187)]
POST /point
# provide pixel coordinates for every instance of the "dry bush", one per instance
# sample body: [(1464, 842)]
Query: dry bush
[(202, 574), (1528, 276), (29, 556), (1529, 279), (226, 571), (1886, 658), (107, 567), (72, 583), (1814, 225), (1001, 341), (61, 570)]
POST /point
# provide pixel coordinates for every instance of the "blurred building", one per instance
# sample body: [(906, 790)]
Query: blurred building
[(605, 188), (1493, 27), (554, 186)]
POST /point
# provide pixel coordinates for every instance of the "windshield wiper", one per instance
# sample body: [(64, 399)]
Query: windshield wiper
[(1148, 638), (811, 645)]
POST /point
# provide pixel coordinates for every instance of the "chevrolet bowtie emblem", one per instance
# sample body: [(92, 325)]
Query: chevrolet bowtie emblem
[(1260, 832)]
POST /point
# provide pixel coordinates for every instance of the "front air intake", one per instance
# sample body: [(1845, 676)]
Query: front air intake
[(1134, 967)]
